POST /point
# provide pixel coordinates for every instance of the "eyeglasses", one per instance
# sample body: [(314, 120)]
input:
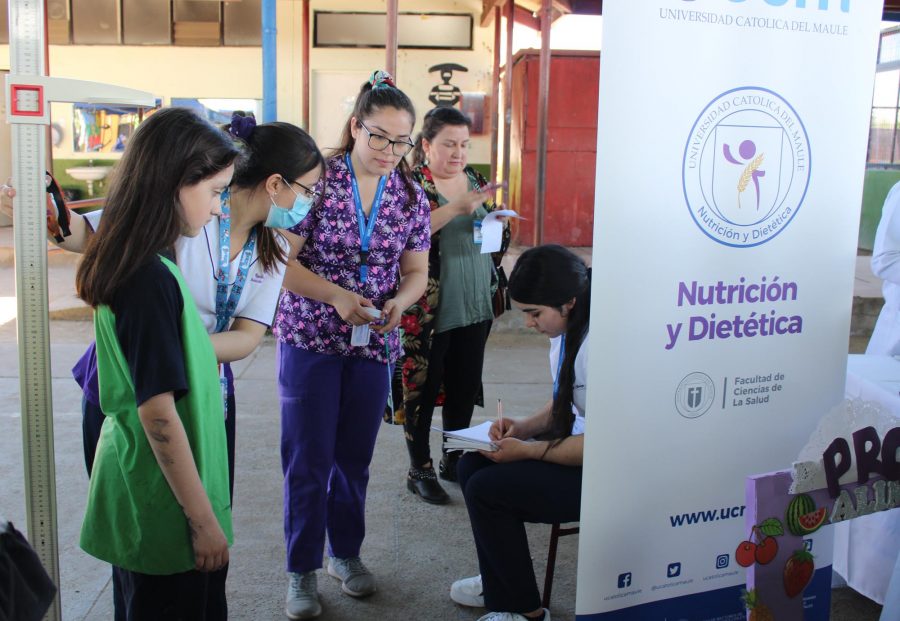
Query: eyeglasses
[(377, 142), (310, 192)]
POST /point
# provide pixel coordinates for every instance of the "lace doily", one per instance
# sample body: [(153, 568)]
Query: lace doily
[(846, 417)]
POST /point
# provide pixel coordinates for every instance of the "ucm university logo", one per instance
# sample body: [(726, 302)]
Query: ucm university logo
[(746, 167)]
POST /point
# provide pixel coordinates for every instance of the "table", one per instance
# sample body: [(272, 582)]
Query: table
[(866, 548)]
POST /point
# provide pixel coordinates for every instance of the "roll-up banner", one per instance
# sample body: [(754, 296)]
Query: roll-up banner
[(730, 158)]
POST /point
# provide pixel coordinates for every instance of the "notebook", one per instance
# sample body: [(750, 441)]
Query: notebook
[(472, 439)]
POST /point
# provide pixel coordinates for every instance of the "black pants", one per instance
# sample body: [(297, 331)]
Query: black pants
[(190, 596), (92, 421), (456, 361), (500, 499)]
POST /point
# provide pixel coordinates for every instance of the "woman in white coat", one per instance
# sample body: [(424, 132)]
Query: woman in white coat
[(886, 266)]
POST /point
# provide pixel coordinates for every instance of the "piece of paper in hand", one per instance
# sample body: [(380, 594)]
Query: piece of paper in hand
[(492, 229)]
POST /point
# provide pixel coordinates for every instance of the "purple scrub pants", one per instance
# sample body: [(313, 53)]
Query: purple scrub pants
[(331, 409)]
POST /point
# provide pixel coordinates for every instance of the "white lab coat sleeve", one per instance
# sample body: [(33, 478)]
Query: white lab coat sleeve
[(886, 253)]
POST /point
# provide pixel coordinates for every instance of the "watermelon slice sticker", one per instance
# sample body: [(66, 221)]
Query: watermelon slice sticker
[(802, 517), (811, 522)]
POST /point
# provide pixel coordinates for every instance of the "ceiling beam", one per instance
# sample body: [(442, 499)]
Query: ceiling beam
[(487, 10), (526, 18), (564, 7)]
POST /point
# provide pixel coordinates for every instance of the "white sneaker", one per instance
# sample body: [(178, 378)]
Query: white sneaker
[(511, 616), (302, 596), (356, 579), (468, 592)]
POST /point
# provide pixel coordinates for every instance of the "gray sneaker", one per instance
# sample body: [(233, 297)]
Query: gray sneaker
[(302, 596), (355, 579)]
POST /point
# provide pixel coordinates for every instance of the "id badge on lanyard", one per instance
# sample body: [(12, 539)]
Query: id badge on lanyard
[(366, 226), (227, 300), (476, 232), (223, 385)]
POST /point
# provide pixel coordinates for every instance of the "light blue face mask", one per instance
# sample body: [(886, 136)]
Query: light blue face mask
[(281, 218)]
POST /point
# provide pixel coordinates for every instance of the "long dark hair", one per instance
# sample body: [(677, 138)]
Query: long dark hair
[(551, 275), (272, 148), (377, 93), (435, 120), (172, 149)]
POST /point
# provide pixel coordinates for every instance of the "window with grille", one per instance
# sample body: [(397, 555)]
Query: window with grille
[(149, 22), (884, 149)]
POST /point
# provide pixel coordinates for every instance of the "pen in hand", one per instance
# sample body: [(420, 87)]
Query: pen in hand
[(502, 432)]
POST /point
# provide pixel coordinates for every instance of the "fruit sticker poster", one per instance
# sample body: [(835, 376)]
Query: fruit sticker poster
[(731, 148), (785, 510)]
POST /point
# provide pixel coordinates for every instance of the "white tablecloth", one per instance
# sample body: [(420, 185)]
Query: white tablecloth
[(866, 548)]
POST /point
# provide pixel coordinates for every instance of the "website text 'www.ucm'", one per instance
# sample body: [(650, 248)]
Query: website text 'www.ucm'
[(709, 515)]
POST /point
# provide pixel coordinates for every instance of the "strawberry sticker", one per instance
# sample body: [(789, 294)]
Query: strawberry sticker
[(798, 572)]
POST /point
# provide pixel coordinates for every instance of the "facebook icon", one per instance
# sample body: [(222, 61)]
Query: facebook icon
[(624, 580)]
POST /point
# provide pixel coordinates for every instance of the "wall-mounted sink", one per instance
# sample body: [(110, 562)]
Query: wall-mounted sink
[(89, 174)]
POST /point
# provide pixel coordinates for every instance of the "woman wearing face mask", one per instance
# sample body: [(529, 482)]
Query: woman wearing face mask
[(235, 266), (536, 481), (363, 251), (446, 331)]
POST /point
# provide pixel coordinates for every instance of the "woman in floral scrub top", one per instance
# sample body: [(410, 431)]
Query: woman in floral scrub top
[(333, 393)]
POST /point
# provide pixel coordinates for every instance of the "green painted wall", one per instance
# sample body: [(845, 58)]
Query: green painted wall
[(877, 184)]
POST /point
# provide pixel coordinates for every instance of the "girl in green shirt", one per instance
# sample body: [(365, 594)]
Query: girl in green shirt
[(158, 506)]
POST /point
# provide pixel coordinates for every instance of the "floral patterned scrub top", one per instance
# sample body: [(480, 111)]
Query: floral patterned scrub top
[(332, 252)]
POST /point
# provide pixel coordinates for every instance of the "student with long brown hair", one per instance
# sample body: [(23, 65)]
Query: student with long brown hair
[(158, 506)]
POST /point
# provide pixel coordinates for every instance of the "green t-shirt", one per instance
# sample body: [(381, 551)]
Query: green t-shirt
[(132, 518), (465, 292)]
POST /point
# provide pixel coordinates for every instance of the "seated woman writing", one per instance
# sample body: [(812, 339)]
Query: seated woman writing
[(531, 481)]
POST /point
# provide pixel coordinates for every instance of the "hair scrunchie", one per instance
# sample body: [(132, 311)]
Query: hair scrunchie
[(381, 79), (241, 126)]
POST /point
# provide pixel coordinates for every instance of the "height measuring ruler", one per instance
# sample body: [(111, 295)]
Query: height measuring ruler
[(26, 50), (29, 92)]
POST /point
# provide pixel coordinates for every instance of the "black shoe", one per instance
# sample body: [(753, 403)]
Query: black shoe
[(423, 482), (447, 466)]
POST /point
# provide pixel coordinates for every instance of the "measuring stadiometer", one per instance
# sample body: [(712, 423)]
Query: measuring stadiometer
[(28, 95)]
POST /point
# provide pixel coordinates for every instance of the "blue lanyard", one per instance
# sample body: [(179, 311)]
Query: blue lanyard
[(366, 226), (227, 303), (387, 356), (562, 354)]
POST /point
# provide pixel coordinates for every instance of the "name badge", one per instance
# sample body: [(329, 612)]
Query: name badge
[(476, 232), (223, 386)]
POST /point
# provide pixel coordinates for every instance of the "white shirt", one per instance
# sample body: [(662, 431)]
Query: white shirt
[(579, 391), (198, 259), (886, 265)]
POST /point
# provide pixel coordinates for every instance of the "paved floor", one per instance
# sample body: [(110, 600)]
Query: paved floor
[(415, 549)]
